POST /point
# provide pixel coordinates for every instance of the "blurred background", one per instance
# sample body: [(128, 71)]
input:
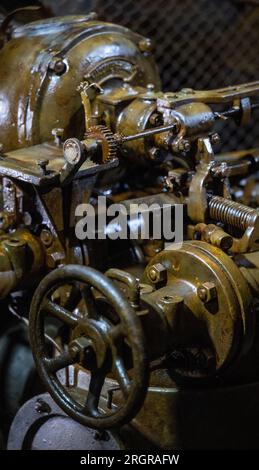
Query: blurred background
[(198, 43)]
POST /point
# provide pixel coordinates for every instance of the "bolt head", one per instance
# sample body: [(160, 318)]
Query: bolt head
[(60, 67), (215, 139), (42, 407), (226, 242), (156, 119), (184, 146), (78, 348), (154, 153), (57, 132), (55, 259), (42, 163), (207, 291), (46, 237), (157, 273), (145, 45)]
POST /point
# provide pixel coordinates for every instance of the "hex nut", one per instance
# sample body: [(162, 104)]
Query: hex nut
[(157, 273), (78, 347), (207, 291)]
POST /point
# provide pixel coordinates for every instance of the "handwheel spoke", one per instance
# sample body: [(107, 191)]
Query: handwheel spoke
[(89, 300), (103, 337), (57, 363), (116, 332), (94, 392), (74, 298), (60, 313), (121, 375)]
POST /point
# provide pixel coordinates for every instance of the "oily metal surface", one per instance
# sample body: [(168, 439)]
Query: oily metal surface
[(131, 328), (41, 425), (52, 57), (201, 44), (198, 44), (207, 309), (227, 317), (219, 418)]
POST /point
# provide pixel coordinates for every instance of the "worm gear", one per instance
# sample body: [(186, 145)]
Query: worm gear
[(105, 137)]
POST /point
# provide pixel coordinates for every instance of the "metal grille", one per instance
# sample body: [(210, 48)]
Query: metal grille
[(199, 43), (209, 43)]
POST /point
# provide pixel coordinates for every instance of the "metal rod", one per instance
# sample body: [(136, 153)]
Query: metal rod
[(231, 113), (234, 112), (232, 213), (147, 133)]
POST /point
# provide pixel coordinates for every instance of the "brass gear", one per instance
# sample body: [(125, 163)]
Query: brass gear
[(105, 136)]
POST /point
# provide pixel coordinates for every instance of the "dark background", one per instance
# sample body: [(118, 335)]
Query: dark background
[(199, 43)]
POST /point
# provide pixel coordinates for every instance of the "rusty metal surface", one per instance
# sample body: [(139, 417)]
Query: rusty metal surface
[(201, 44), (92, 332), (44, 89), (215, 294), (88, 118)]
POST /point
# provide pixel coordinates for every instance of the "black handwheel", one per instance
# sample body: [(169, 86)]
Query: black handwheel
[(100, 335)]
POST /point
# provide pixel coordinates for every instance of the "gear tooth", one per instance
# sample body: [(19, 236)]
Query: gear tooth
[(105, 132)]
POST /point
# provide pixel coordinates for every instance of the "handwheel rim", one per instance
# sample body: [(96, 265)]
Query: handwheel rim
[(128, 317)]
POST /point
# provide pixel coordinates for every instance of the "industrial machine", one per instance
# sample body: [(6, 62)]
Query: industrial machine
[(137, 339)]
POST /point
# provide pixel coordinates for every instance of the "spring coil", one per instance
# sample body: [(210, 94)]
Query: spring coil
[(232, 213)]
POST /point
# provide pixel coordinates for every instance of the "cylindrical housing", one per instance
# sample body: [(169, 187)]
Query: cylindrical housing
[(22, 260), (45, 62)]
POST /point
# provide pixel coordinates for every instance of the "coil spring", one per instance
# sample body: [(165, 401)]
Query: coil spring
[(232, 213)]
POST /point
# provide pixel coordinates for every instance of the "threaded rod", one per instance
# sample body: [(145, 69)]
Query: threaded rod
[(232, 213)]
